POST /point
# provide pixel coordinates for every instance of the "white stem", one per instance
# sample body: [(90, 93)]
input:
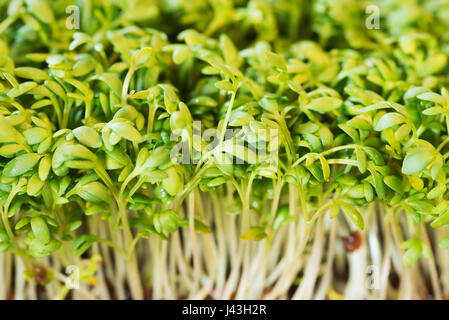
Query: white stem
[(221, 244), (3, 276), (432, 268), (157, 286), (292, 265), (443, 261), (386, 263), (19, 268), (305, 290), (327, 277), (194, 243), (355, 288)]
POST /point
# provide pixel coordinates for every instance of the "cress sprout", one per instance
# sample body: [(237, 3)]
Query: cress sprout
[(224, 149)]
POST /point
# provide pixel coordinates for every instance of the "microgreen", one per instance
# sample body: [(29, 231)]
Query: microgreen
[(218, 148)]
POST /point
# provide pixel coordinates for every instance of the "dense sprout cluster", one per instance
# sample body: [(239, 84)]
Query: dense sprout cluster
[(91, 111)]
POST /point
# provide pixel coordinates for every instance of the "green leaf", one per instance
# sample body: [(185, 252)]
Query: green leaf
[(437, 166), (224, 85), (440, 208), (157, 157), (216, 182), (359, 123), (334, 210), (113, 82), (324, 104), (436, 191), (326, 136), (142, 57), (83, 243), (126, 130), (83, 67), (350, 131), (180, 54), (44, 167), (416, 162), (68, 152), (94, 191), (413, 248), (376, 106), (254, 233), (416, 182), (357, 191), (21, 165), (402, 132), (433, 64), (240, 151), (41, 103), (361, 159), (316, 172), (394, 183), (389, 120), (35, 135), (201, 227), (22, 223), (230, 52), (41, 9), (434, 111), (31, 73), (56, 88), (369, 193), (433, 97), (88, 136), (378, 184), (23, 88), (73, 226), (276, 60), (34, 185), (374, 155), (81, 86), (10, 149), (444, 242), (269, 105), (8, 133), (354, 215), (442, 220), (325, 167), (366, 97), (5, 241), (39, 250), (173, 183), (169, 220), (40, 230)]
